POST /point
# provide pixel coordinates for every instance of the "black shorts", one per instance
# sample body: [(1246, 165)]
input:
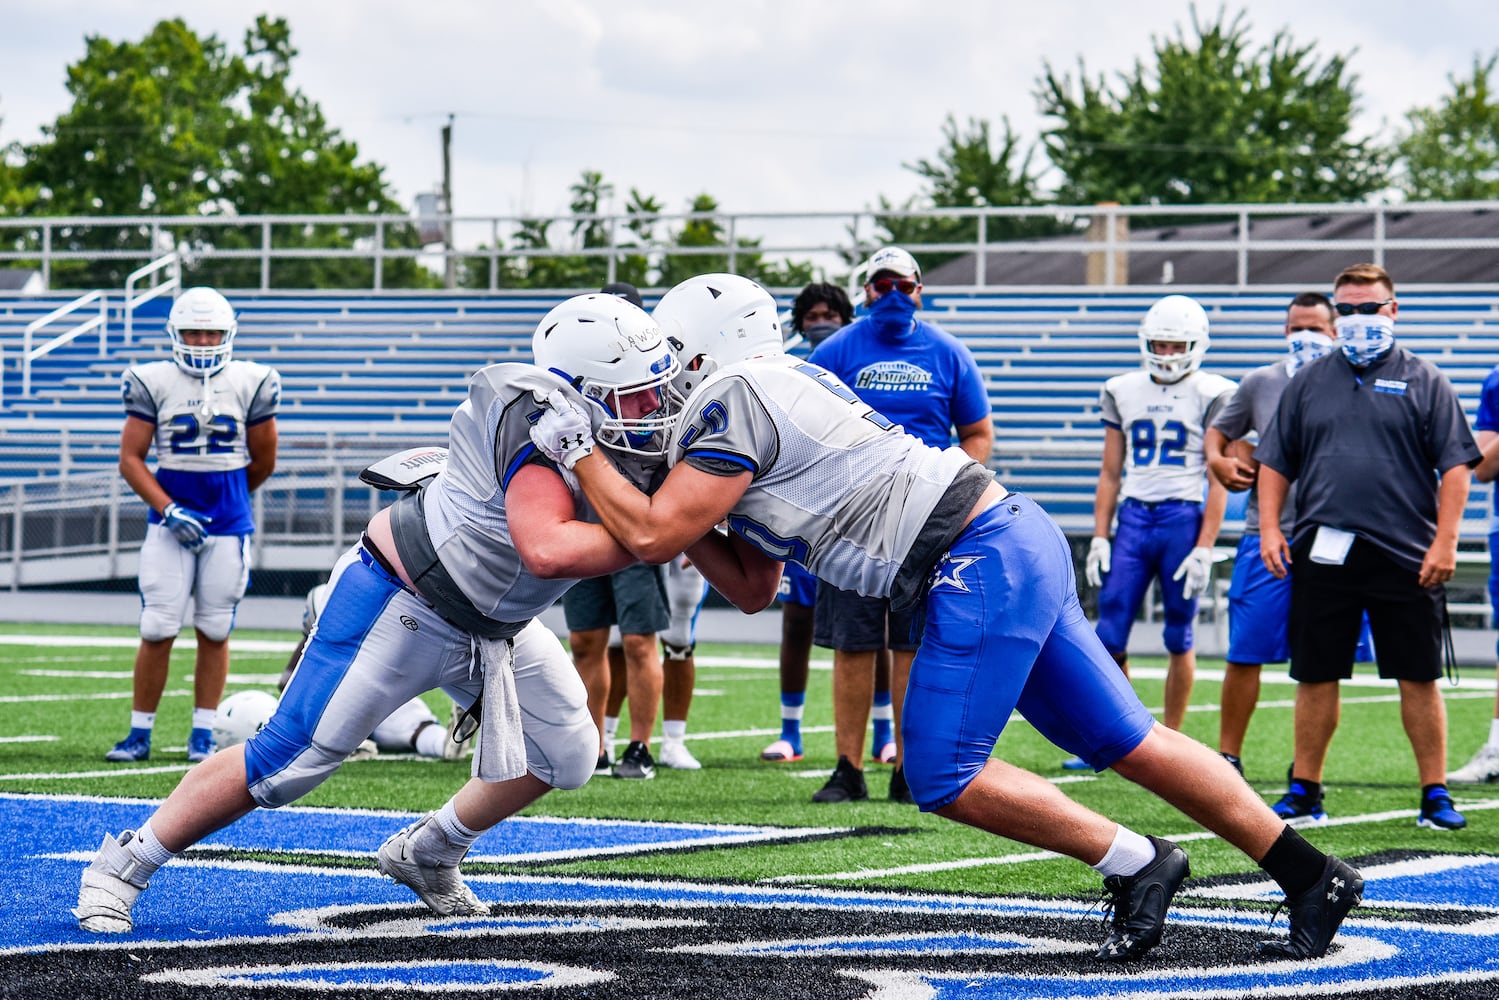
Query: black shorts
[(633, 598), (1327, 605), (844, 620)]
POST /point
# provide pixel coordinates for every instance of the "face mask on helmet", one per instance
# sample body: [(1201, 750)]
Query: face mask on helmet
[(1176, 319), (717, 319), (201, 309), (614, 354)]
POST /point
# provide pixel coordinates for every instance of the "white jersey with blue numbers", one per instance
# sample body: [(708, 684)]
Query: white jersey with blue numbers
[(1163, 427), (202, 444), (835, 486)]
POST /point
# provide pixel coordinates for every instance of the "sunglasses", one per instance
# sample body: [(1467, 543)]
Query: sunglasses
[(906, 286), (1362, 308)]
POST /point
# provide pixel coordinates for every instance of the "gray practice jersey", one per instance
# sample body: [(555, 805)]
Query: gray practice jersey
[(835, 486), (489, 441), (1250, 411), (1162, 427)]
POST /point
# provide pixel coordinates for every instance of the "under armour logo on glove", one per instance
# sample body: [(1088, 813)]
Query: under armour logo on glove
[(562, 432), (187, 526)]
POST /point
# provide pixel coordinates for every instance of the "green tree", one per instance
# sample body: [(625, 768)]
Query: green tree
[(176, 124), (970, 171), (1451, 152), (1213, 120), (704, 230)]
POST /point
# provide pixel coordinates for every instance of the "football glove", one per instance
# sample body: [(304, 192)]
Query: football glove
[(188, 526), (562, 433), (1195, 571), (1099, 554)]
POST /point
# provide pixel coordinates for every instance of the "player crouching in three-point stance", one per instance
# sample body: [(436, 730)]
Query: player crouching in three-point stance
[(461, 566), (800, 468)]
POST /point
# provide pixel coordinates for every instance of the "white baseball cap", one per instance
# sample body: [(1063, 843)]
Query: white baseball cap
[(894, 260)]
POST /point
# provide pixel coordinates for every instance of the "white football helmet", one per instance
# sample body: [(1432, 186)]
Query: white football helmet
[(607, 349), (717, 319), (242, 715), (201, 308), (1176, 319)]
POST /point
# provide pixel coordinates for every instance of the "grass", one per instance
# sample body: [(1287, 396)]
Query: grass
[(1370, 771)]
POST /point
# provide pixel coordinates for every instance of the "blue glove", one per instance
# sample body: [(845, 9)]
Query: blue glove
[(187, 525)]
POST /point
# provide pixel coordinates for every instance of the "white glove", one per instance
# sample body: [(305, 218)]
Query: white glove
[(1195, 571), (187, 526), (562, 433), (1099, 554)]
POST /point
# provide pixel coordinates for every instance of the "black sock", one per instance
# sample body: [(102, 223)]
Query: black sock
[(1294, 864), (1313, 788)]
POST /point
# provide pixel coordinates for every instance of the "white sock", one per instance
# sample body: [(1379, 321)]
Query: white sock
[(1127, 855), (674, 729), (444, 841), (791, 711), (203, 717), (430, 740), (142, 720), (148, 851), (611, 729), (1494, 732)]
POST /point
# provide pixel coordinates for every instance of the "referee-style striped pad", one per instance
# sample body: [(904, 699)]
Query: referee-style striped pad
[(289, 903)]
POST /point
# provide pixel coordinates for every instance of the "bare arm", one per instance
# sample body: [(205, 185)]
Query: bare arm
[(977, 440), (1440, 561), (659, 527), (549, 538), (1110, 474), (1212, 514), (135, 444), (1274, 551), (746, 576), (261, 441), (1488, 469), (1225, 469)]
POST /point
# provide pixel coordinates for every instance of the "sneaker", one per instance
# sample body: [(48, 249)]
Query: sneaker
[(899, 790), (441, 887), (1483, 769), (136, 746), (1076, 764), (200, 745), (1437, 812), (886, 754), (846, 785), (452, 747), (604, 765), (636, 763), (366, 750), (1317, 912), (1237, 762), (1140, 901), (1298, 808), (781, 752), (675, 755), (108, 888)]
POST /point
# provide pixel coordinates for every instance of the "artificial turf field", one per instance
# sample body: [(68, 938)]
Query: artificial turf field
[(724, 882)]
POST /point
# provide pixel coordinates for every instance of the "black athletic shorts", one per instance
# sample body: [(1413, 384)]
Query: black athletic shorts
[(844, 620), (633, 598), (1327, 605)]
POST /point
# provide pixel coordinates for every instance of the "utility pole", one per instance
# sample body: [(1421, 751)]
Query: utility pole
[(450, 262)]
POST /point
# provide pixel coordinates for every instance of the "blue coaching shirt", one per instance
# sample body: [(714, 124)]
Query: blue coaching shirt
[(926, 381), (1488, 420)]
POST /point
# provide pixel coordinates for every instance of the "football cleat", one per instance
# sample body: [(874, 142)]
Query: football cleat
[(604, 765), (1437, 812), (134, 747), (675, 755), (781, 752), (108, 888), (846, 785), (367, 750), (1076, 764), (636, 763), (441, 887), (899, 790), (1483, 769), (1139, 903), (200, 746), (1298, 808), (1317, 912), (1236, 761)]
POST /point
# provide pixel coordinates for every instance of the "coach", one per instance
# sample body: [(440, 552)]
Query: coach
[(1381, 454)]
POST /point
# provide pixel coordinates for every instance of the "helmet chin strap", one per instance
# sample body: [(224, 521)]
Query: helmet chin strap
[(206, 408)]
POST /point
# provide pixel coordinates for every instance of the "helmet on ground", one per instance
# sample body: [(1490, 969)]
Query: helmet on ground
[(717, 319), (241, 715), (1175, 319), (609, 349), (201, 309)]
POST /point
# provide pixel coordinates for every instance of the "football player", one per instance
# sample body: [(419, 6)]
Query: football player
[(800, 467), (212, 421), (1154, 418), (442, 591)]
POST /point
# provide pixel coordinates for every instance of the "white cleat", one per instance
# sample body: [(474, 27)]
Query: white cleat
[(106, 895), (441, 887), (1483, 769), (675, 755)]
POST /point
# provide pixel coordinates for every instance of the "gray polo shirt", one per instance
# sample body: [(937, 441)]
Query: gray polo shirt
[(1365, 447), (1250, 410)]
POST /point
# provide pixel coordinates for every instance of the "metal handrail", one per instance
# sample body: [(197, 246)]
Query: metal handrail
[(172, 260), (101, 322)]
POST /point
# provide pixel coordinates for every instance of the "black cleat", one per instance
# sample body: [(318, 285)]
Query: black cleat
[(636, 763), (1316, 913), (899, 790), (846, 785), (1140, 902), (1237, 762)]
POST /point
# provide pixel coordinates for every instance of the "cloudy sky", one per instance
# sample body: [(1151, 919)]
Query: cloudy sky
[(769, 105)]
